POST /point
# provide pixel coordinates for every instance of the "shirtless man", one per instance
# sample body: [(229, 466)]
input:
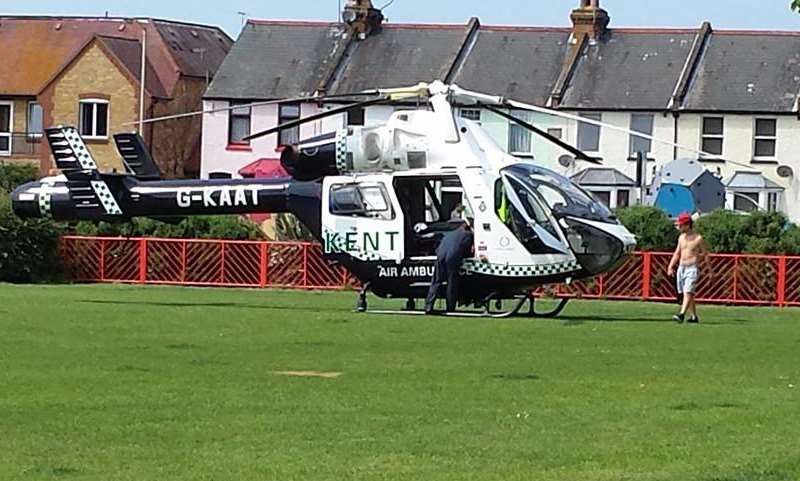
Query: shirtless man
[(690, 253)]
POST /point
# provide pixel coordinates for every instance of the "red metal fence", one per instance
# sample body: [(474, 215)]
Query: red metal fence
[(727, 279)]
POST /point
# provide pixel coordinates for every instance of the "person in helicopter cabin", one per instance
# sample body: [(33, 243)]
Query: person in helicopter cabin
[(454, 247)]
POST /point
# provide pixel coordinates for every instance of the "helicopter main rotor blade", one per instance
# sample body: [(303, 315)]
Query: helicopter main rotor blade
[(260, 103), (318, 116), (574, 151)]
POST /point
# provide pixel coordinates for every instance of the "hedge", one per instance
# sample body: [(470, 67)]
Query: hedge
[(724, 231)]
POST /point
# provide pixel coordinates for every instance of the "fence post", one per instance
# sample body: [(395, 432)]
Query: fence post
[(305, 264), (142, 260), (183, 261), (782, 281), (262, 269), (736, 279), (222, 262), (102, 260), (646, 275)]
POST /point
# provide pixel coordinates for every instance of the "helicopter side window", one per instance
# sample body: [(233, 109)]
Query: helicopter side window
[(361, 201)]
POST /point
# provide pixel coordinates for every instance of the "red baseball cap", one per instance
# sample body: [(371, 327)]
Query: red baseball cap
[(684, 219)]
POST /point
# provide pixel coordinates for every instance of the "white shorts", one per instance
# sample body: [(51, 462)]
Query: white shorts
[(687, 278)]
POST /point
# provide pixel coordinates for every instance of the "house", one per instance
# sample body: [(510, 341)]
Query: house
[(87, 72), (734, 95)]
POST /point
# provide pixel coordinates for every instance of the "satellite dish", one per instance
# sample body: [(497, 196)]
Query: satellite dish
[(566, 161), (784, 171)]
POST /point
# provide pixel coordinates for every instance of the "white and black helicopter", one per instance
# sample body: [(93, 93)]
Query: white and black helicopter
[(378, 197)]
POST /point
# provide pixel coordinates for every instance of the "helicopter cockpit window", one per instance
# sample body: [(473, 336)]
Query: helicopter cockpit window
[(562, 195), (361, 201)]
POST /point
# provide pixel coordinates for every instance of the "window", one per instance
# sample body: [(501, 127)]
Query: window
[(361, 201), (623, 198), (745, 201), (519, 138), (287, 113), (6, 122), (766, 134), (220, 175), (94, 119), (471, 114), (642, 123), (713, 128), (603, 196), (35, 120), (773, 201), (557, 133), (355, 116), (239, 124), (589, 134)]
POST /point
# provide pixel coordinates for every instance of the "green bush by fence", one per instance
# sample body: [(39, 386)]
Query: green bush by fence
[(724, 231)]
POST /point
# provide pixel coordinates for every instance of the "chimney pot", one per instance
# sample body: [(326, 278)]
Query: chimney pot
[(590, 19), (362, 17)]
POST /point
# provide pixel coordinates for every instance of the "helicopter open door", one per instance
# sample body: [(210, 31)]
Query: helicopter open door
[(362, 218), (530, 220)]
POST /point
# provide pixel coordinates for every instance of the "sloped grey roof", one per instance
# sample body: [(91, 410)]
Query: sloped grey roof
[(275, 60), (751, 180), (399, 55), (747, 71), (603, 176), (519, 63), (629, 69)]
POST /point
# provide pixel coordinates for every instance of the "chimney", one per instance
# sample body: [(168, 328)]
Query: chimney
[(589, 19), (362, 18)]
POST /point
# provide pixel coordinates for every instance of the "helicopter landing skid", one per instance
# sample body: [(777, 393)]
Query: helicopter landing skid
[(517, 310)]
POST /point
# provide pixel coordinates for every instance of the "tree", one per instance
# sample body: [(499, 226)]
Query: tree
[(796, 5)]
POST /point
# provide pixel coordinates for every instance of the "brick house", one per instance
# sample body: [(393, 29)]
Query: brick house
[(87, 72), (733, 93)]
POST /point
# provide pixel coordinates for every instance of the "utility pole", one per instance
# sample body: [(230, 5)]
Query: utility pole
[(142, 81)]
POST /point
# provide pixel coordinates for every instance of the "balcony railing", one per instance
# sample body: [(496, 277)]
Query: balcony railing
[(20, 144)]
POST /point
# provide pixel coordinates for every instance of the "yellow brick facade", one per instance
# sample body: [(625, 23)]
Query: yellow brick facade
[(94, 73)]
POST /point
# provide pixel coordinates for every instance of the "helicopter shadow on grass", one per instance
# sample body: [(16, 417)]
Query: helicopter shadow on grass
[(577, 320), (227, 305)]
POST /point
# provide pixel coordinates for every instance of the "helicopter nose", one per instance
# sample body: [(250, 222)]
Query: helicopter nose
[(599, 246)]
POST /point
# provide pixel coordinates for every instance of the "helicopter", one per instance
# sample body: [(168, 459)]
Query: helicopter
[(378, 198)]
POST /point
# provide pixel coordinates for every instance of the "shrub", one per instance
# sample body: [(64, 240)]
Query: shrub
[(288, 229), (200, 227), (652, 227), (12, 175), (28, 248), (790, 241), (722, 230)]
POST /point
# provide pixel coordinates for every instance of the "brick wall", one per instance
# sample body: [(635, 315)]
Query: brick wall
[(93, 74)]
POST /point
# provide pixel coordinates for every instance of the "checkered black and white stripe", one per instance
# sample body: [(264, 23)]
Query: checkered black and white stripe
[(69, 150), (106, 198), (45, 201), (341, 151), (538, 270)]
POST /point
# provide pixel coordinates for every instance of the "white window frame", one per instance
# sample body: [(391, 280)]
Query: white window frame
[(33, 135), (773, 201), (10, 133), (589, 116), (757, 137), (94, 102), (632, 138), (721, 136), (525, 116)]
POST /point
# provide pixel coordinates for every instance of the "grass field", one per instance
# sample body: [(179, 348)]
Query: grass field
[(127, 383)]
